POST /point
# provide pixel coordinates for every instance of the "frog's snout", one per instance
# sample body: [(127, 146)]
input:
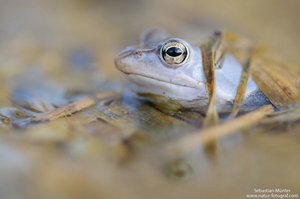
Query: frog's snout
[(128, 59), (122, 59), (126, 52)]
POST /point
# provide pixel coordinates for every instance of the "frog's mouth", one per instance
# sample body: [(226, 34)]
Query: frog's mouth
[(143, 77), (149, 84)]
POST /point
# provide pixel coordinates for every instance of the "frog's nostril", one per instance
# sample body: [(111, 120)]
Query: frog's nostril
[(138, 53)]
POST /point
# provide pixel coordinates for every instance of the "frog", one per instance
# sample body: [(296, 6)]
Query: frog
[(170, 69)]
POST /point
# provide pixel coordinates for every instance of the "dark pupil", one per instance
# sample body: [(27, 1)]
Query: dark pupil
[(174, 52)]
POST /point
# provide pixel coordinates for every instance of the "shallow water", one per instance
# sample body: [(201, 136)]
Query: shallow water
[(117, 150)]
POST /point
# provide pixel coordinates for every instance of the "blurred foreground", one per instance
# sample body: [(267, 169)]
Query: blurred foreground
[(115, 150)]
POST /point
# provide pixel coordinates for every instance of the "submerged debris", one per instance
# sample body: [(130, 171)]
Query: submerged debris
[(178, 169)]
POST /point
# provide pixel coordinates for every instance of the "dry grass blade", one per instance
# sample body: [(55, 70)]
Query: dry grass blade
[(211, 117), (290, 115), (75, 107), (274, 80), (220, 48), (273, 77), (66, 110), (241, 90), (230, 127), (208, 57)]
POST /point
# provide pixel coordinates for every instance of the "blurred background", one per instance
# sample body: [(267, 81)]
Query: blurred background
[(108, 26), (66, 39)]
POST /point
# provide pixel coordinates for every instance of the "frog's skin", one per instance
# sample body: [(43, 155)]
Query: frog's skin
[(184, 83)]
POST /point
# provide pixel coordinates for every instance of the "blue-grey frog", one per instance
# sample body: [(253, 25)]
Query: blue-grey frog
[(172, 68)]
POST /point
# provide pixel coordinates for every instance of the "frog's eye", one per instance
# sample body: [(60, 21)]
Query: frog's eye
[(174, 52)]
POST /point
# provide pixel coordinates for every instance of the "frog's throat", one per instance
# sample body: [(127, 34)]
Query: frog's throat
[(163, 103)]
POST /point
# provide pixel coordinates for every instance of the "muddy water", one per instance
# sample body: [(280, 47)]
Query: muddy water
[(116, 150)]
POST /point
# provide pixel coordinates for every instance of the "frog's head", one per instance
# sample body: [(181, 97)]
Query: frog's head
[(164, 66)]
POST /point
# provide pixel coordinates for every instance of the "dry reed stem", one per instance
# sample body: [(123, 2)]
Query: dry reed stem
[(240, 94), (208, 55), (75, 107), (210, 134)]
